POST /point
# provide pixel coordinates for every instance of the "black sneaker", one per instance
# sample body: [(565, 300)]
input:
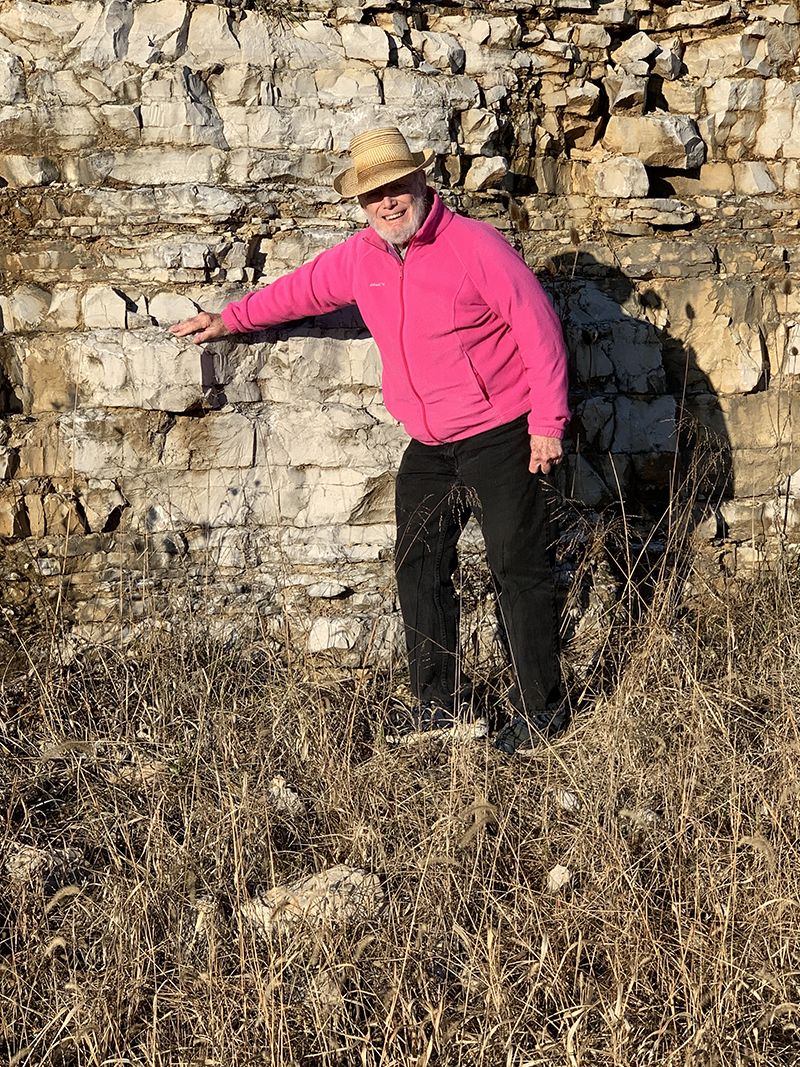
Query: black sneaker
[(524, 733), (430, 719)]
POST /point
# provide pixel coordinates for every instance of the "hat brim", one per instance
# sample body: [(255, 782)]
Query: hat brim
[(347, 183)]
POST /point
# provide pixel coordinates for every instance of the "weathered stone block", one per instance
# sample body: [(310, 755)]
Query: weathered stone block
[(781, 13), (220, 439), (700, 16), (753, 178), (591, 37), (40, 28), (658, 140), (103, 35), (326, 633), (505, 31), (71, 128), (479, 128), (634, 50), (716, 178), (596, 421), (779, 133), (627, 93), (486, 172), (644, 426), (726, 57), (318, 33), (176, 108), (25, 308), (140, 369), (579, 133), (335, 89), (462, 26), (735, 94), (443, 51), (12, 79), (167, 308), (122, 118), (61, 515), (410, 88), (614, 13), (760, 420), (583, 99), (667, 259), (237, 83), (211, 38), (620, 176), (370, 43), (104, 309), (57, 88), (166, 166), (683, 98), (167, 501), (158, 31), (333, 436), (583, 483), (667, 64), (102, 504), (480, 63), (394, 23)]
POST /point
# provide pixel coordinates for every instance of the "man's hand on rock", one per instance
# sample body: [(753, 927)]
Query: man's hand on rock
[(546, 453), (206, 327)]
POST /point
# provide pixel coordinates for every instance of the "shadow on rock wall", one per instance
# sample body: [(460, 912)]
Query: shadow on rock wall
[(646, 429)]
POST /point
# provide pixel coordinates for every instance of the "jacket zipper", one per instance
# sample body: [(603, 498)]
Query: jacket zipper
[(403, 346)]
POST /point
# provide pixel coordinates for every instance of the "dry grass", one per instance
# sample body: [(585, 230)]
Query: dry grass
[(677, 941)]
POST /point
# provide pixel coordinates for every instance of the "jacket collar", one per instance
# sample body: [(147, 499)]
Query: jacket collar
[(436, 220)]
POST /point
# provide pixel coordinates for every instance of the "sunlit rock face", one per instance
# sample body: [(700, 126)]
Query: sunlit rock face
[(158, 158)]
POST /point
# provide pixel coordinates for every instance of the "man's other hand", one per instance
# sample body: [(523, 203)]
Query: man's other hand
[(546, 453), (205, 327)]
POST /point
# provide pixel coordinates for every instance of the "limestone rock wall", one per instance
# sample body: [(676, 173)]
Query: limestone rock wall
[(161, 157)]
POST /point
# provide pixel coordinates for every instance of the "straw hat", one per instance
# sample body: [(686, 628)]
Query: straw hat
[(379, 157)]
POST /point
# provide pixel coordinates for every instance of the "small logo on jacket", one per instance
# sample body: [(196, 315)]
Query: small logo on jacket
[(376, 285)]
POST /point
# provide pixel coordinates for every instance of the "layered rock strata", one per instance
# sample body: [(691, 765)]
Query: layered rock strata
[(162, 157)]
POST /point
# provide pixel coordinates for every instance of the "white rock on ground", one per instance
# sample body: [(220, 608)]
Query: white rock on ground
[(334, 896)]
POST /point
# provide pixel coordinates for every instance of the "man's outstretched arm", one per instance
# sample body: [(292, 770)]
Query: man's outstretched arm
[(206, 326)]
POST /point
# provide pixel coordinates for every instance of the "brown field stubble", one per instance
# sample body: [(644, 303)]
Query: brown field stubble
[(673, 800)]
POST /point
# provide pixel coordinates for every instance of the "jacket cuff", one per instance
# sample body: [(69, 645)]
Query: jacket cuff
[(547, 431), (230, 319)]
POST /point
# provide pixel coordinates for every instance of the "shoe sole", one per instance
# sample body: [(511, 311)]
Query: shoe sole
[(463, 731)]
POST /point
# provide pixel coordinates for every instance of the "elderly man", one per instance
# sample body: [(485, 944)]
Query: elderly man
[(474, 368)]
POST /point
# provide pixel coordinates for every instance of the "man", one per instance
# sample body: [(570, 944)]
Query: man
[(474, 367)]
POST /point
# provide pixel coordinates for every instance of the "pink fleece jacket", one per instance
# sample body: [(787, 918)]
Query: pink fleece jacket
[(468, 338)]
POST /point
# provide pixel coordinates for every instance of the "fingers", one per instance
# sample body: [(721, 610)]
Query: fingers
[(202, 327), (546, 454), (193, 325), (543, 466)]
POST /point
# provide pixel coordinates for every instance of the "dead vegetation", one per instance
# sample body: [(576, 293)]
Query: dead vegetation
[(140, 814)]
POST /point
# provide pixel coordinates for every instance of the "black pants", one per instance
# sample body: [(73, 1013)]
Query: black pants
[(438, 486)]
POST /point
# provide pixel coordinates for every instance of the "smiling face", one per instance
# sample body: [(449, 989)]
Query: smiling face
[(397, 210)]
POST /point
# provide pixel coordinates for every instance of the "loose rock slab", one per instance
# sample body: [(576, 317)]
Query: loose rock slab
[(337, 895), (50, 868)]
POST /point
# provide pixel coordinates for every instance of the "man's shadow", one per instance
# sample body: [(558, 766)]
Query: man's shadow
[(650, 461)]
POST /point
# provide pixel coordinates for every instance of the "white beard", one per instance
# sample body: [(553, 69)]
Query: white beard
[(401, 237)]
